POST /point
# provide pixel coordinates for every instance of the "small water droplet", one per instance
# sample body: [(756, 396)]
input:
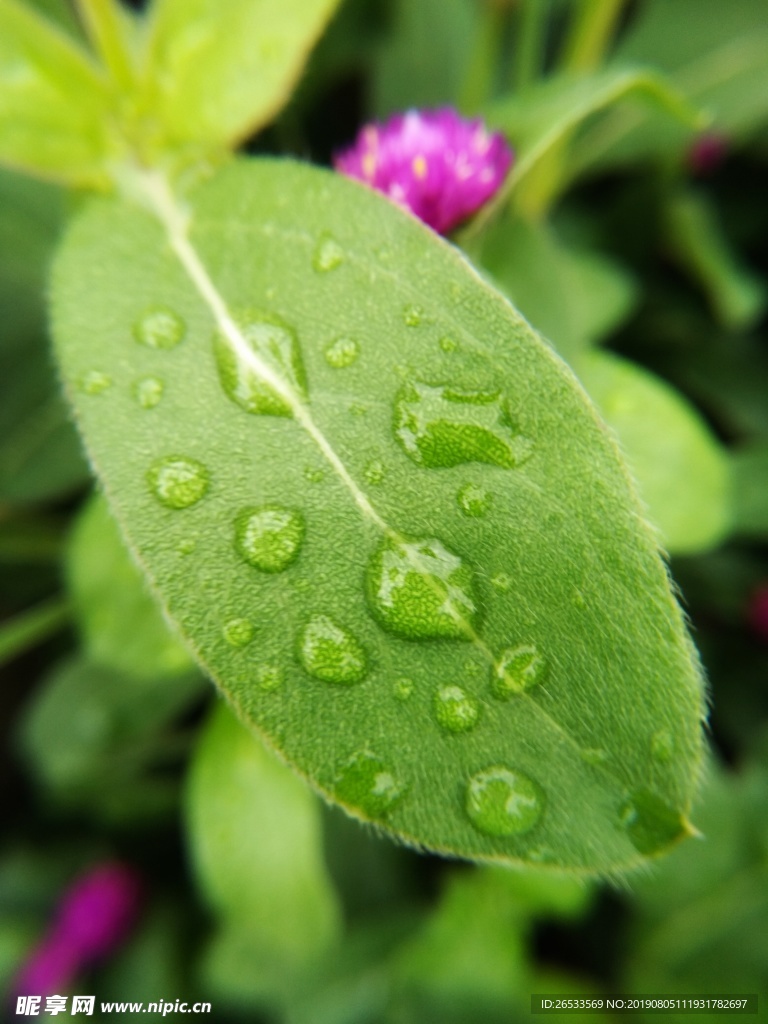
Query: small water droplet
[(595, 756), (474, 501), (269, 537), (328, 255), (274, 343), (159, 327), (403, 689), (313, 474), (413, 316), (662, 746), (95, 382), (329, 652), (579, 600), (178, 481), (502, 581), (342, 353), (448, 344), (358, 409), (651, 824), (148, 392), (503, 802), (517, 670), (455, 710), (419, 589), (269, 678), (374, 472), (443, 426), (239, 632), (368, 784), (186, 546)]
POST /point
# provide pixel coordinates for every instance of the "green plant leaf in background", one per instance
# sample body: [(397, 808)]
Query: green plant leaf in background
[(750, 489), (384, 517), (682, 471), (256, 844)]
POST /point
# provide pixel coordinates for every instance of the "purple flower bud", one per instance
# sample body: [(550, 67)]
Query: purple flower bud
[(98, 910), (434, 163), (706, 153)]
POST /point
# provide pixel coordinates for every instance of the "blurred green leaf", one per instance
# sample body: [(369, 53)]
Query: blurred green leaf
[(681, 470), (29, 628), (122, 626), (750, 489)]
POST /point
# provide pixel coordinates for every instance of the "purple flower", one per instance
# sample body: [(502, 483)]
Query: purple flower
[(434, 163), (706, 153)]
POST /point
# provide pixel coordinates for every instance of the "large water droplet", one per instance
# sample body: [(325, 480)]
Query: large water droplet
[(329, 652), (651, 824), (517, 670), (159, 327), (148, 392), (328, 255), (418, 589), (443, 426), (662, 746), (342, 353), (273, 343), (474, 501), (239, 632), (269, 678), (455, 710), (269, 537), (95, 382), (178, 481), (503, 802), (368, 784)]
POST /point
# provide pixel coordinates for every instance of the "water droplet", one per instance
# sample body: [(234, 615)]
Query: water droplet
[(328, 255), (368, 784), (95, 382), (448, 344), (419, 589), (329, 652), (502, 581), (148, 391), (275, 345), (503, 802), (159, 327), (177, 481), (443, 426), (358, 409), (595, 756), (413, 315), (186, 546), (313, 474), (455, 710), (474, 501), (651, 824), (269, 537), (269, 678), (662, 746), (517, 670), (239, 632), (374, 472), (403, 689), (579, 600), (342, 353)]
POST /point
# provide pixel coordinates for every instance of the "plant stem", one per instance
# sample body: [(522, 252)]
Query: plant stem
[(482, 66), (530, 48), (590, 34), (31, 627), (103, 23)]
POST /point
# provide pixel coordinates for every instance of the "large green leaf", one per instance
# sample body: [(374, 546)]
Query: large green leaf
[(384, 515)]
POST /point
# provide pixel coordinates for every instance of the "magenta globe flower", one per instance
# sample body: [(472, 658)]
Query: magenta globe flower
[(436, 164)]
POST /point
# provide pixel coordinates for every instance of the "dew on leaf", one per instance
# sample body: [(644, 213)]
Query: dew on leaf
[(269, 678), (314, 474), (517, 670), (413, 316), (374, 472), (448, 344), (456, 711), (239, 632), (662, 746), (651, 824), (328, 255), (474, 501), (274, 343), (419, 589), (329, 652), (403, 688), (368, 784), (186, 546), (159, 327), (595, 756), (95, 383), (502, 801), (342, 352), (443, 426), (148, 392), (178, 481), (269, 537), (502, 581)]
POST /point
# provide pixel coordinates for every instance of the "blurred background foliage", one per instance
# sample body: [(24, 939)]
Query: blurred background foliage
[(635, 238)]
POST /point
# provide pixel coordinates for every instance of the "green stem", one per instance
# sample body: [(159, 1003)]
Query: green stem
[(103, 23), (32, 627), (530, 48), (590, 35), (477, 85)]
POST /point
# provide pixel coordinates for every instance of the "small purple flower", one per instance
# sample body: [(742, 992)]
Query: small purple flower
[(706, 153), (434, 163)]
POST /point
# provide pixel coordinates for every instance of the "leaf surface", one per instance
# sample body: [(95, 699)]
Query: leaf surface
[(384, 515)]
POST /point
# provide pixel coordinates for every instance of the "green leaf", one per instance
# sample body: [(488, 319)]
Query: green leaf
[(29, 628), (121, 625), (750, 489), (415, 584), (681, 469), (54, 105), (217, 70), (256, 844)]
